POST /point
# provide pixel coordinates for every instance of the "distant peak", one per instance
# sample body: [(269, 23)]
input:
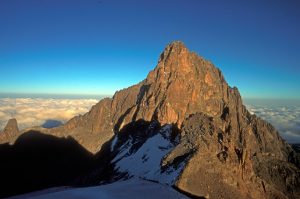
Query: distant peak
[(12, 122), (11, 126)]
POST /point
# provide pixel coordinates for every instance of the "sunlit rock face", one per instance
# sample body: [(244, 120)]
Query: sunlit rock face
[(181, 84), (205, 137), (226, 151)]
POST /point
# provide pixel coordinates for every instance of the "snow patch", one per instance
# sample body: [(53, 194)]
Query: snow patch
[(146, 161), (113, 143), (133, 189)]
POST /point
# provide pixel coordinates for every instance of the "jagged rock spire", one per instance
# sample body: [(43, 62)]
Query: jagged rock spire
[(11, 130)]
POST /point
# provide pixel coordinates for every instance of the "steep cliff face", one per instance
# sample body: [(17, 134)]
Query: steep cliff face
[(225, 164), (97, 126), (205, 137), (182, 83), (223, 151), (226, 151)]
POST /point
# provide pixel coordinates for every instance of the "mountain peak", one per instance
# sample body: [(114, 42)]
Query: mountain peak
[(176, 45), (11, 126), (11, 129), (182, 83), (173, 49)]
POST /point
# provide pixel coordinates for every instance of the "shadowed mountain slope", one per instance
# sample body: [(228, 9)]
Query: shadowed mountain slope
[(38, 161)]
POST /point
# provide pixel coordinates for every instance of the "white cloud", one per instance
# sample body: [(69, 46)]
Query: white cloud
[(35, 112), (285, 118)]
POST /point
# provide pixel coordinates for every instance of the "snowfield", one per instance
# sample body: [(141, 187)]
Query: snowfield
[(130, 189), (146, 161)]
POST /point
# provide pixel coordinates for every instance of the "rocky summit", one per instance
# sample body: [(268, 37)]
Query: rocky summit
[(10, 131), (184, 126)]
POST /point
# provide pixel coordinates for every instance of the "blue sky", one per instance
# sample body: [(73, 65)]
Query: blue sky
[(95, 47)]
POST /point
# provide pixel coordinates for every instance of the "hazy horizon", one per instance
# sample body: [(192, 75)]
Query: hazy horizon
[(53, 96), (262, 100)]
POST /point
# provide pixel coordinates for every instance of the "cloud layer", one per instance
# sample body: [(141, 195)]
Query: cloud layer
[(35, 112), (285, 118), (30, 112)]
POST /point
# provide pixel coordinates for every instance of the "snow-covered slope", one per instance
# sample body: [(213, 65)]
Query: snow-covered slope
[(133, 188), (137, 156), (145, 161)]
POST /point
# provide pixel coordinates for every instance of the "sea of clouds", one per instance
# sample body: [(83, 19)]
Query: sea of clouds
[(284, 115), (37, 111)]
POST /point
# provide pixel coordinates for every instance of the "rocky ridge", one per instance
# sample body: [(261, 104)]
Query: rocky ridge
[(223, 151)]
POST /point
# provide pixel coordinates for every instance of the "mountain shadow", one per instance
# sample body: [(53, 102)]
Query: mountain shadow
[(103, 171), (38, 161), (131, 136)]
